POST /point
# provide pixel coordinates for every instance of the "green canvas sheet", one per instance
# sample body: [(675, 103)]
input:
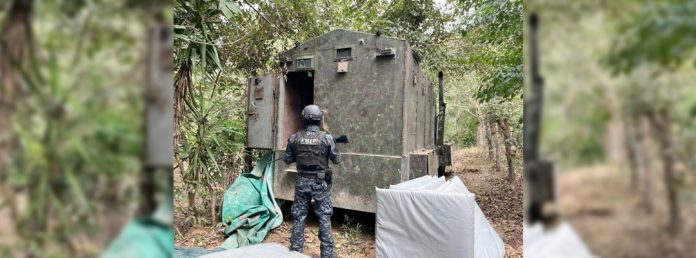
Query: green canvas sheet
[(249, 209)]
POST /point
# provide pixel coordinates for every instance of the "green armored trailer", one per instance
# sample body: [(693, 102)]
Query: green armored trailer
[(371, 88)]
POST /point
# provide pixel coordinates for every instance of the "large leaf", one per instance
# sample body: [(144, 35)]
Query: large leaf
[(229, 8)]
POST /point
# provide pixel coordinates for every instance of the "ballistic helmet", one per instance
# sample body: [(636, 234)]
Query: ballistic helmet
[(312, 113)]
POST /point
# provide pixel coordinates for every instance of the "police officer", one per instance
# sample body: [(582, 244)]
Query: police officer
[(312, 148)]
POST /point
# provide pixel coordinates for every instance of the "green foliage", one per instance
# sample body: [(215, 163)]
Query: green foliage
[(249, 34), (496, 26), (351, 230), (78, 125), (214, 135), (461, 130), (660, 33), (654, 51), (194, 22), (425, 26), (499, 108), (651, 52), (580, 137), (600, 58)]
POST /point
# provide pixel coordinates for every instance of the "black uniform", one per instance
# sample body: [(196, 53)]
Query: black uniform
[(311, 148)]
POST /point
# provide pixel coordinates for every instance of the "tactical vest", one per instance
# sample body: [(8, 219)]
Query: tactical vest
[(311, 154)]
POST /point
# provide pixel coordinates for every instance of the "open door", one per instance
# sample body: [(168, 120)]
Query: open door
[(260, 107), (294, 94)]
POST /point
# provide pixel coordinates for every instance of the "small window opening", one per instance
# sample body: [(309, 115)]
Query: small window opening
[(343, 52), (304, 63)]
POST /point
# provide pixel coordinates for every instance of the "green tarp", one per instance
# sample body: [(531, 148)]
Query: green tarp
[(249, 210), (146, 237)]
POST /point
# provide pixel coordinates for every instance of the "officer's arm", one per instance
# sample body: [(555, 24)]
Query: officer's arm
[(290, 150), (334, 155)]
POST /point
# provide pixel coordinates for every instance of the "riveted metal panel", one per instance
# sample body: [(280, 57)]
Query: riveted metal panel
[(354, 180), (160, 99), (383, 103), (365, 102), (260, 112)]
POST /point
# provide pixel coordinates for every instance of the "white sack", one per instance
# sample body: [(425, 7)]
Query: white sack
[(561, 241), (431, 217)]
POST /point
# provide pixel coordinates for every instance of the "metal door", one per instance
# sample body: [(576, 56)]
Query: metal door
[(260, 107)]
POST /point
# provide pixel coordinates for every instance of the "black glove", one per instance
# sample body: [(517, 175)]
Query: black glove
[(342, 139), (328, 178)]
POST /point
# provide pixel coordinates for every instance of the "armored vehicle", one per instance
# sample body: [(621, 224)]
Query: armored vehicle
[(371, 88)]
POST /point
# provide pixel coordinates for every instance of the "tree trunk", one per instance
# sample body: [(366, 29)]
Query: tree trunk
[(481, 135), (614, 140), (489, 138), (645, 165), (15, 43), (182, 85), (482, 130), (661, 121), (213, 200), (631, 146), (496, 153), (192, 202), (507, 140)]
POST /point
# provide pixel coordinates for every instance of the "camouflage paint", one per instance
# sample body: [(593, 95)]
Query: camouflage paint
[(383, 103), (354, 180)]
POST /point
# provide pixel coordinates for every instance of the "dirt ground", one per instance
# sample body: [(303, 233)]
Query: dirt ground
[(8, 237), (354, 231), (501, 203), (86, 243), (351, 240), (607, 214)]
